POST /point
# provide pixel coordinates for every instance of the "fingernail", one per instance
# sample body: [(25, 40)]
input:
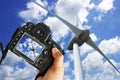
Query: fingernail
[(57, 51)]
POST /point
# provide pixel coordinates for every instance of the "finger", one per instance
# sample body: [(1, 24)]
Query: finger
[(57, 54), (39, 78), (58, 58)]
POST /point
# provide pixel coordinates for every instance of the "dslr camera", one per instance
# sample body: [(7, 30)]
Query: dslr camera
[(34, 44)]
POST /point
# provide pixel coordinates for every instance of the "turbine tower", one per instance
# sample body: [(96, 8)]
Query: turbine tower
[(81, 36), (77, 57)]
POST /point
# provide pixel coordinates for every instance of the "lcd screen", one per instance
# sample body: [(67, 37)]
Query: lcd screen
[(29, 47)]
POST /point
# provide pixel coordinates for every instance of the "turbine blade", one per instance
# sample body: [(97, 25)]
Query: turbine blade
[(79, 24), (75, 30), (91, 43)]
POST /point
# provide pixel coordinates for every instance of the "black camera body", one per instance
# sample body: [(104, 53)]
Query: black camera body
[(34, 44)]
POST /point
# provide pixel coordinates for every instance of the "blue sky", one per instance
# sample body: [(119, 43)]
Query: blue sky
[(100, 16)]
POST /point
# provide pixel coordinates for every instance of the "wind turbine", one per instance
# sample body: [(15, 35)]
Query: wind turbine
[(81, 36), (33, 50)]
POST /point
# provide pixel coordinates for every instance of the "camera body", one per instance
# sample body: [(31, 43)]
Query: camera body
[(34, 44)]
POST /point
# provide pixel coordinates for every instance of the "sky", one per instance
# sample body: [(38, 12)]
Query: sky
[(101, 17)]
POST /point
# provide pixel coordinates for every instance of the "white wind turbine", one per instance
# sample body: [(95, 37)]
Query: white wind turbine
[(81, 36)]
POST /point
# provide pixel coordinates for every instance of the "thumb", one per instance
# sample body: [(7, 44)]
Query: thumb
[(58, 58), (57, 55)]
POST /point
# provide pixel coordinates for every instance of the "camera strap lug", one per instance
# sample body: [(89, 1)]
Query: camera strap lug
[(3, 51)]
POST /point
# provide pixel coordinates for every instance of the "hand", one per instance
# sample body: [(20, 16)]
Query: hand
[(56, 71)]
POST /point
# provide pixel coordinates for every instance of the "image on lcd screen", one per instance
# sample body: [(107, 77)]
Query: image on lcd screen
[(29, 47)]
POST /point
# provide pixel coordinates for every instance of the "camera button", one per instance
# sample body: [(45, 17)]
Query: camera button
[(19, 35), (49, 42), (16, 39), (22, 31), (29, 26), (11, 46), (46, 53), (25, 26), (14, 43), (40, 62)]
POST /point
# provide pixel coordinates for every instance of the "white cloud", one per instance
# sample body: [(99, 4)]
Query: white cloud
[(108, 73), (33, 12), (71, 56), (11, 59), (66, 77), (10, 70), (76, 7), (67, 65), (98, 18), (83, 14), (110, 46), (92, 6), (106, 5), (93, 62), (27, 72), (102, 70), (85, 48), (62, 45), (59, 30), (93, 37), (69, 72), (7, 72)]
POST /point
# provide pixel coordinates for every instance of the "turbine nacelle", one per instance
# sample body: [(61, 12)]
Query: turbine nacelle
[(83, 37)]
